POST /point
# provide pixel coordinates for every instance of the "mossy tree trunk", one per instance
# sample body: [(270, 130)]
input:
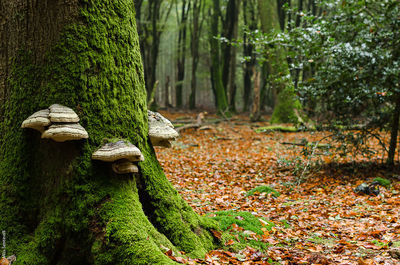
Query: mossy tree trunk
[(250, 19), (287, 106), (220, 95), (57, 205)]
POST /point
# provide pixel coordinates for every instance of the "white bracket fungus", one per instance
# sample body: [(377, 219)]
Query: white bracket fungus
[(60, 113), (124, 166), (38, 120), (122, 153), (65, 132), (161, 130), (111, 152), (61, 123)]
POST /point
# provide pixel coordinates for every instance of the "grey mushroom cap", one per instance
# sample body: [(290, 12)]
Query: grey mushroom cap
[(111, 152), (161, 130), (124, 166), (155, 116), (38, 120), (65, 132), (60, 113)]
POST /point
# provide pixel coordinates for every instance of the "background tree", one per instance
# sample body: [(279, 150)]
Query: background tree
[(151, 17), (218, 87), (182, 28), (58, 206), (286, 106), (197, 20), (229, 34), (250, 20)]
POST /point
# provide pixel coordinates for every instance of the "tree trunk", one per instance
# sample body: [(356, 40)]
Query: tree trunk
[(216, 75), (182, 25), (57, 205), (194, 47), (287, 107), (249, 19), (394, 132), (166, 89), (230, 26), (255, 110), (232, 88)]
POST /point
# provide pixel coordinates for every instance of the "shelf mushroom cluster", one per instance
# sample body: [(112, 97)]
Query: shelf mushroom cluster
[(123, 154), (58, 123), (61, 124), (161, 130)]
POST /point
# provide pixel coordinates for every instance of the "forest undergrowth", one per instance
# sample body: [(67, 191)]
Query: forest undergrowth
[(301, 199)]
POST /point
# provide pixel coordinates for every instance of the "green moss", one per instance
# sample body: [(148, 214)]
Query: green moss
[(59, 206), (285, 110), (245, 220), (382, 181), (280, 128), (238, 238), (262, 189), (167, 211)]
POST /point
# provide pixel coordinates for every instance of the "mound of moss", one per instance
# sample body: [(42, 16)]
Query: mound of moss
[(240, 229), (262, 189), (383, 182)]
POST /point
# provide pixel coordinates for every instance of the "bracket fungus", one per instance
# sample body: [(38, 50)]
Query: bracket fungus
[(58, 122), (124, 166), (122, 154), (60, 113), (65, 132), (161, 130), (38, 120)]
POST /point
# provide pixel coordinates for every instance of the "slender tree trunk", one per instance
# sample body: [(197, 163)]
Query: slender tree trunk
[(182, 25), (232, 72), (57, 205), (197, 22), (255, 111), (394, 132), (218, 86), (249, 19), (228, 51), (166, 88), (287, 103)]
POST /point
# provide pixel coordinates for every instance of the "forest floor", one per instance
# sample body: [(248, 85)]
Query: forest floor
[(316, 219)]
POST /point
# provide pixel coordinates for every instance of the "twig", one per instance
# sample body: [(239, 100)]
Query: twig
[(308, 163)]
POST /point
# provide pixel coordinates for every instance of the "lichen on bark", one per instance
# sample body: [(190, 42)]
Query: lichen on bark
[(59, 206)]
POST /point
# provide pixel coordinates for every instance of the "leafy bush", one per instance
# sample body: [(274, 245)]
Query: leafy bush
[(347, 59)]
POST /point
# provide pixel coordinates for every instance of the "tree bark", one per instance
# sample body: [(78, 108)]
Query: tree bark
[(228, 51), (394, 132), (197, 22), (216, 70), (182, 25), (255, 110), (287, 103), (249, 19), (58, 206)]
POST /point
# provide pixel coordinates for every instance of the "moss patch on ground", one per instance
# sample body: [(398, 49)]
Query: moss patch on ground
[(263, 189), (240, 229), (279, 128)]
